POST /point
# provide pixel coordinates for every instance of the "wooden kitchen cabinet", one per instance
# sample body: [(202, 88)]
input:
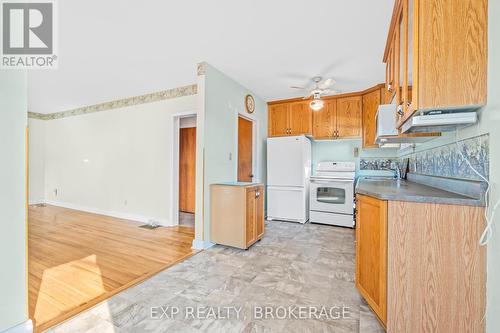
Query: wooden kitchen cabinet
[(340, 118), (419, 266), (349, 113), (236, 214), (324, 121), (289, 119), (278, 119), (439, 48), (371, 102), (371, 253), (300, 122)]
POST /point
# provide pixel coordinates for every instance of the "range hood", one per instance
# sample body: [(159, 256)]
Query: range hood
[(387, 133), (439, 121)]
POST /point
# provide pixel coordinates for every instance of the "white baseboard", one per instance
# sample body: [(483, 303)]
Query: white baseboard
[(119, 215), (201, 245), (26, 327), (35, 202)]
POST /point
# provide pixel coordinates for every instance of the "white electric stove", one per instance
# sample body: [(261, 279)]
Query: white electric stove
[(332, 194)]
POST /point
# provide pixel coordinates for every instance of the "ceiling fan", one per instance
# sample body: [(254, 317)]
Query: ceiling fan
[(319, 88)]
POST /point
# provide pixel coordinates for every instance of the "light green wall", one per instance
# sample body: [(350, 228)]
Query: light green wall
[(489, 123), (224, 100), (13, 121), (343, 150)]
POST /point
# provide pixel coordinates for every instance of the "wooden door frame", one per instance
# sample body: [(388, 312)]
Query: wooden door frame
[(175, 157), (255, 158)]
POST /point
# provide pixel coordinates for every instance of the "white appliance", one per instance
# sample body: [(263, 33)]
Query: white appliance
[(288, 172), (386, 120), (332, 194), (387, 133)]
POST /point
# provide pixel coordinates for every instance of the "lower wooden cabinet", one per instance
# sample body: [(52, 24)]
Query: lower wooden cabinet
[(371, 253), (236, 214), (419, 266)]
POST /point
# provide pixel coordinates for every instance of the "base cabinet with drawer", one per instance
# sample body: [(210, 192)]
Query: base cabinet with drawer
[(236, 214), (419, 266)]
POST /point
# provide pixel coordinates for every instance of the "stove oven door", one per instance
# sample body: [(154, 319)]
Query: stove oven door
[(332, 196)]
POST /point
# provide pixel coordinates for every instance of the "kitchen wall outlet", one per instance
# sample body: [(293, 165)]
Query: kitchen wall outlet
[(230, 156), (356, 152), (125, 202)]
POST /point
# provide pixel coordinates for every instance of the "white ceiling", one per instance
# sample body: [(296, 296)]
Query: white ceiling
[(115, 49)]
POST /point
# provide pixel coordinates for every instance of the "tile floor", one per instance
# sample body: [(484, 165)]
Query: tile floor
[(293, 267)]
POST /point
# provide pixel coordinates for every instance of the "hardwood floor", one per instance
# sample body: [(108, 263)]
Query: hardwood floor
[(77, 259)]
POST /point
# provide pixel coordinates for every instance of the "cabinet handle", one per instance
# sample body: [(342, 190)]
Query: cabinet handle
[(389, 87), (400, 110), (257, 194)]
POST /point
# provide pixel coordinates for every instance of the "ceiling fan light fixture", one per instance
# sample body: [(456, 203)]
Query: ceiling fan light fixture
[(317, 104)]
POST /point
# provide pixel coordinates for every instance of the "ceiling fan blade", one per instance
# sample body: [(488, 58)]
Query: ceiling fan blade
[(326, 83), (296, 87)]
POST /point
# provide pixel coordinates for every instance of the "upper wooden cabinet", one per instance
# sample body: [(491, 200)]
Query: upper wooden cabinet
[(439, 48), (340, 118), (324, 121), (348, 122), (278, 120), (288, 119), (371, 101), (300, 121)]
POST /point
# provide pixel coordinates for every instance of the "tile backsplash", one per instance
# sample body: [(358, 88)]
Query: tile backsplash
[(375, 163), (446, 160)]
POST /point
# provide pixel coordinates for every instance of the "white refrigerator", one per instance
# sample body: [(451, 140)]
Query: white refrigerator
[(288, 172)]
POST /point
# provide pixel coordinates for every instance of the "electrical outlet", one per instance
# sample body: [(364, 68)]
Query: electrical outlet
[(55, 192), (230, 156), (125, 202)]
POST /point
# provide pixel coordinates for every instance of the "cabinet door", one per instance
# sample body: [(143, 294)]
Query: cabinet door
[(300, 118), (324, 121), (349, 117), (278, 120), (371, 253), (259, 215), (251, 217), (401, 58), (371, 101), (390, 72)]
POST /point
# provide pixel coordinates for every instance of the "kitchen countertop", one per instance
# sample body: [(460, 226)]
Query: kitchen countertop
[(404, 190)]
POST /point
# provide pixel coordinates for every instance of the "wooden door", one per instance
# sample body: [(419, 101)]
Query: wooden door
[(349, 112), (300, 118), (371, 101), (324, 121), (187, 169), (259, 212), (251, 216), (245, 150), (278, 119), (371, 253)]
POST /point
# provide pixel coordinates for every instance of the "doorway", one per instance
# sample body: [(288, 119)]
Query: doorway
[(245, 150), (187, 170)]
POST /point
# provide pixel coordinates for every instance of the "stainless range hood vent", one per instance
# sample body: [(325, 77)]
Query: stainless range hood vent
[(439, 122)]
